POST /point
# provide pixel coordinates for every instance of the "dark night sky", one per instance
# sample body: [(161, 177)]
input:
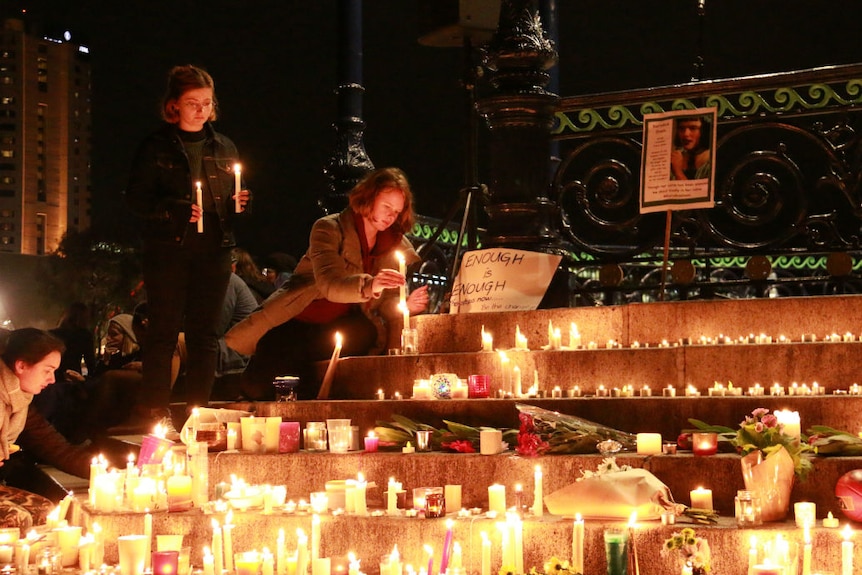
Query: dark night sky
[(274, 62)]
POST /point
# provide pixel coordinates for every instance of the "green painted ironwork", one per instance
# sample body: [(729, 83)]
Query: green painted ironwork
[(740, 104)]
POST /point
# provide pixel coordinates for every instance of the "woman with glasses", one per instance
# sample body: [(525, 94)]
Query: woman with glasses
[(183, 189), (346, 282)]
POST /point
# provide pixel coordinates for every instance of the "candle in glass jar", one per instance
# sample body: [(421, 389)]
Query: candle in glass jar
[(704, 443)]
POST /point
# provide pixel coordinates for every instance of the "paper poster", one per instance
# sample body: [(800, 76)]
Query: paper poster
[(502, 279), (678, 162)]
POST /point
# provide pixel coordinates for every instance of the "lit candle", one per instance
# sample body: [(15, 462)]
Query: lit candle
[(361, 507), (648, 443), (429, 552), (447, 546), (179, 490), (371, 442), (538, 506), (830, 521), (280, 553), (395, 562), (752, 553), (789, 420), (392, 496), (704, 443), (315, 536), (218, 549), (701, 498), (497, 498), (326, 384), (487, 343), (237, 174), (574, 336), (402, 291), (209, 567), (578, 544), (200, 202), (301, 552), (847, 551), (633, 518), (520, 339), (486, 554), (516, 372), (806, 552), (148, 544), (227, 541)]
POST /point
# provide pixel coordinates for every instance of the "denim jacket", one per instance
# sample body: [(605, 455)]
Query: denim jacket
[(160, 190)]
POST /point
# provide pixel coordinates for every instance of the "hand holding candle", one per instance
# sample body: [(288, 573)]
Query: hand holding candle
[(237, 172), (199, 200)]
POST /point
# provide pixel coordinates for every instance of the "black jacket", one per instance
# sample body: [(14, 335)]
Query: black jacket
[(160, 190)]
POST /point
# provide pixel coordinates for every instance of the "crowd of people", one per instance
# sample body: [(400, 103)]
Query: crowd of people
[(212, 311)]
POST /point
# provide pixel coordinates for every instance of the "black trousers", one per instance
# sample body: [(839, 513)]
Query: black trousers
[(293, 347), (186, 286)]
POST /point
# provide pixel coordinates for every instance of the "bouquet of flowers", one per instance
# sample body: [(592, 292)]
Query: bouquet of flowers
[(761, 431), (825, 440), (455, 437), (692, 550), (544, 432)]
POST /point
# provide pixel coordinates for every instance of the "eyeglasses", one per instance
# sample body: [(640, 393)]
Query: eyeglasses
[(194, 105)]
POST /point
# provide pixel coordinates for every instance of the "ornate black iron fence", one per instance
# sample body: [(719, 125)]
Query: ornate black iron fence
[(788, 198)]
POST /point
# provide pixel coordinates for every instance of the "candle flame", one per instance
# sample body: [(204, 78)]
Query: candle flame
[(400, 257), (237, 168), (429, 550), (633, 519), (338, 339), (847, 532)]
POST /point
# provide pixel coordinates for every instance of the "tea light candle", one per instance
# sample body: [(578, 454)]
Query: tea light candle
[(459, 390), (422, 389), (704, 443), (602, 391), (646, 391), (557, 392), (691, 391), (701, 498), (669, 391), (574, 391), (830, 521), (648, 443), (380, 394)]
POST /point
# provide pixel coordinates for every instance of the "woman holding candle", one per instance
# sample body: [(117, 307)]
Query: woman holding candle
[(347, 281), (186, 266)]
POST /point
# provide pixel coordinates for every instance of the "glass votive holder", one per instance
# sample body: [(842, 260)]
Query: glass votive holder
[(704, 442), (409, 341), (423, 440), (477, 386), (435, 505), (747, 509), (314, 436)]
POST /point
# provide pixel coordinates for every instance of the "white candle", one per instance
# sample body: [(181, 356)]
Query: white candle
[(361, 506), (516, 371), (486, 554), (578, 544), (280, 554), (847, 551), (301, 552), (200, 202), (806, 552), (701, 498), (237, 174), (395, 562), (648, 443), (315, 536), (228, 541), (392, 496), (574, 336), (218, 549), (487, 340), (268, 562), (497, 498), (538, 506), (790, 422), (752, 553), (148, 545), (330, 369), (209, 568)]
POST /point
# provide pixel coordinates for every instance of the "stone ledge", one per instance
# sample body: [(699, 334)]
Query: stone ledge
[(372, 537)]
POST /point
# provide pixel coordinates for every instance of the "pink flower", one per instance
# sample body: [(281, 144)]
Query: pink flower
[(759, 412), (758, 427), (769, 420)]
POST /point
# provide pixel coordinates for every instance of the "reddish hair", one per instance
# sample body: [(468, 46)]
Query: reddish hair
[(181, 79), (364, 193)]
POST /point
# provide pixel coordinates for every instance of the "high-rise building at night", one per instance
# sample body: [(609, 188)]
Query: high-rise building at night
[(45, 139)]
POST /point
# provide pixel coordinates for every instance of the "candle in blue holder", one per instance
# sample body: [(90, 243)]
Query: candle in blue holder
[(616, 551)]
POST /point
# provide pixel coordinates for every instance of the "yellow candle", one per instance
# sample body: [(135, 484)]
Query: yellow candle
[(578, 544), (497, 498), (538, 506), (648, 443)]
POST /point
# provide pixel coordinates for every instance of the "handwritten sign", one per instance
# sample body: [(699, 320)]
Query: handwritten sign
[(501, 279)]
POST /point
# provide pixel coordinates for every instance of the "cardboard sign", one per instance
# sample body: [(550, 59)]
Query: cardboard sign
[(502, 279)]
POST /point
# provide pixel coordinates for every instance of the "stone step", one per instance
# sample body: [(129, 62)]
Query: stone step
[(668, 416), (646, 323), (371, 538)]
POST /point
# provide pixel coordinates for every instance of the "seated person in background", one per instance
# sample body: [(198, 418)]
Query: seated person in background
[(242, 264), (239, 302), (279, 267), (347, 281)]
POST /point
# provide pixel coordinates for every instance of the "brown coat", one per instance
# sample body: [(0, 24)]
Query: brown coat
[(15, 403), (331, 269)]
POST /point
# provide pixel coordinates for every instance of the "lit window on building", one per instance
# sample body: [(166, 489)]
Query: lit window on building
[(7, 240), (7, 153), (7, 80), (7, 100)]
